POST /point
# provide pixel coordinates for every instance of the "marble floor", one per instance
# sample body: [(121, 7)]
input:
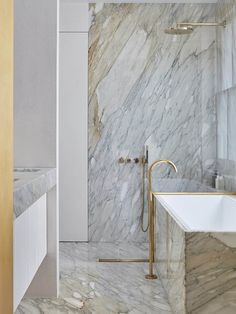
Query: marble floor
[(89, 287)]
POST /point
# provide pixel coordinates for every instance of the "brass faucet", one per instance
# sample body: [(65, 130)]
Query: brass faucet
[(152, 215)]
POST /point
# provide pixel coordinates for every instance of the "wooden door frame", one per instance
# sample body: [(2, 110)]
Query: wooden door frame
[(6, 156)]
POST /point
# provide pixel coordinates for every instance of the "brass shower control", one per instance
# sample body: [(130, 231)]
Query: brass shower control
[(129, 160), (121, 160)]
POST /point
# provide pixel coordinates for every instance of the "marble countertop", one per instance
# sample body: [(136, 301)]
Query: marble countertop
[(29, 185)]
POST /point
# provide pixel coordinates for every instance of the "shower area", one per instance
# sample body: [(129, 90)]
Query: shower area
[(152, 93)]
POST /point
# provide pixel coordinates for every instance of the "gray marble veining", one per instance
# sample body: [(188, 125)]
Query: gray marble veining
[(89, 287), (226, 139), (222, 125), (231, 124), (179, 185), (197, 269), (226, 93), (225, 10), (30, 185), (144, 86)]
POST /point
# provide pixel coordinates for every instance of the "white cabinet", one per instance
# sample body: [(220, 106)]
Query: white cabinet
[(73, 122), (30, 246)]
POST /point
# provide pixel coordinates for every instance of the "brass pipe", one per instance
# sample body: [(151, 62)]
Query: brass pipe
[(152, 216), (113, 260), (152, 250), (153, 166), (202, 24), (194, 193), (143, 170)]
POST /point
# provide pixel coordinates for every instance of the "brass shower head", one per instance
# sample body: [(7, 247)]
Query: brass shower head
[(186, 28)]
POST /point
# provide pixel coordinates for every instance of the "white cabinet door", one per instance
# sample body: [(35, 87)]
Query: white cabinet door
[(37, 235), (73, 130), (30, 246), (21, 257)]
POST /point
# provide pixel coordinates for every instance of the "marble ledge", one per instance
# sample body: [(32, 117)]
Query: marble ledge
[(29, 185)]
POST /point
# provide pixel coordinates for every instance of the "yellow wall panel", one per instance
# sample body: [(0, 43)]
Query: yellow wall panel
[(6, 154)]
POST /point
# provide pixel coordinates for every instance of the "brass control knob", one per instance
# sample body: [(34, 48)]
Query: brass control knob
[(121, 160)]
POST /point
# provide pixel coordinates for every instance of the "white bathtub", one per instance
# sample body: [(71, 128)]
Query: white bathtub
[(202, 213)]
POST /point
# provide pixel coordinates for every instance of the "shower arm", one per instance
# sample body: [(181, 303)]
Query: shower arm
[(202, 24)]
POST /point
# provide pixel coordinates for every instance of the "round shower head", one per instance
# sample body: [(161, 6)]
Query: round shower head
[(179, 30)]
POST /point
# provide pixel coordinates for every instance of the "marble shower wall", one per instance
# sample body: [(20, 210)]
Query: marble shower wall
[(146, 87), (226, 94)]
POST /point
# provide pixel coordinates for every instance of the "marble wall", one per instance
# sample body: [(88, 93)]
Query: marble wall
[(146, 87), (226, 94), (197, 269)]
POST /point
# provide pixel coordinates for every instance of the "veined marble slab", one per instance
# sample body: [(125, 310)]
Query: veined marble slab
[(226, 138), (226, 52), (89, 287), (179, 185), (30, 185), (145, 85), (226, 88)]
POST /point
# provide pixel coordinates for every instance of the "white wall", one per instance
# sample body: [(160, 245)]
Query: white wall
[(35, 79), (73, 16), (73, 112), (36, 114)]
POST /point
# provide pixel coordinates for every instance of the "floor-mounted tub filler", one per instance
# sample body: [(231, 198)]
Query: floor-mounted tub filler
[(151, 222), (192, 212)]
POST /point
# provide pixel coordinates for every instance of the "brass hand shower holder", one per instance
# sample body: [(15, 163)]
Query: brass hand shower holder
[(151, 224)]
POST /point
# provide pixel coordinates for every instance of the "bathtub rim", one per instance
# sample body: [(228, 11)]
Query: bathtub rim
[(177, 218)]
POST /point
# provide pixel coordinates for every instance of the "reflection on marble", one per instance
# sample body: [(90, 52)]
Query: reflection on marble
[(226, 113), (231, 124), (226, 53), (144, 84), (89, 287), (227, 168), (225, 61), (234, 42), (222, 125), (226, 94), (196, 268), (30, 185), (226, 139), (179, 185)]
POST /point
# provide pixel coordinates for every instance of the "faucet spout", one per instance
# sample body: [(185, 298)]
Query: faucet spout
[(152, 216), (154, 165)]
